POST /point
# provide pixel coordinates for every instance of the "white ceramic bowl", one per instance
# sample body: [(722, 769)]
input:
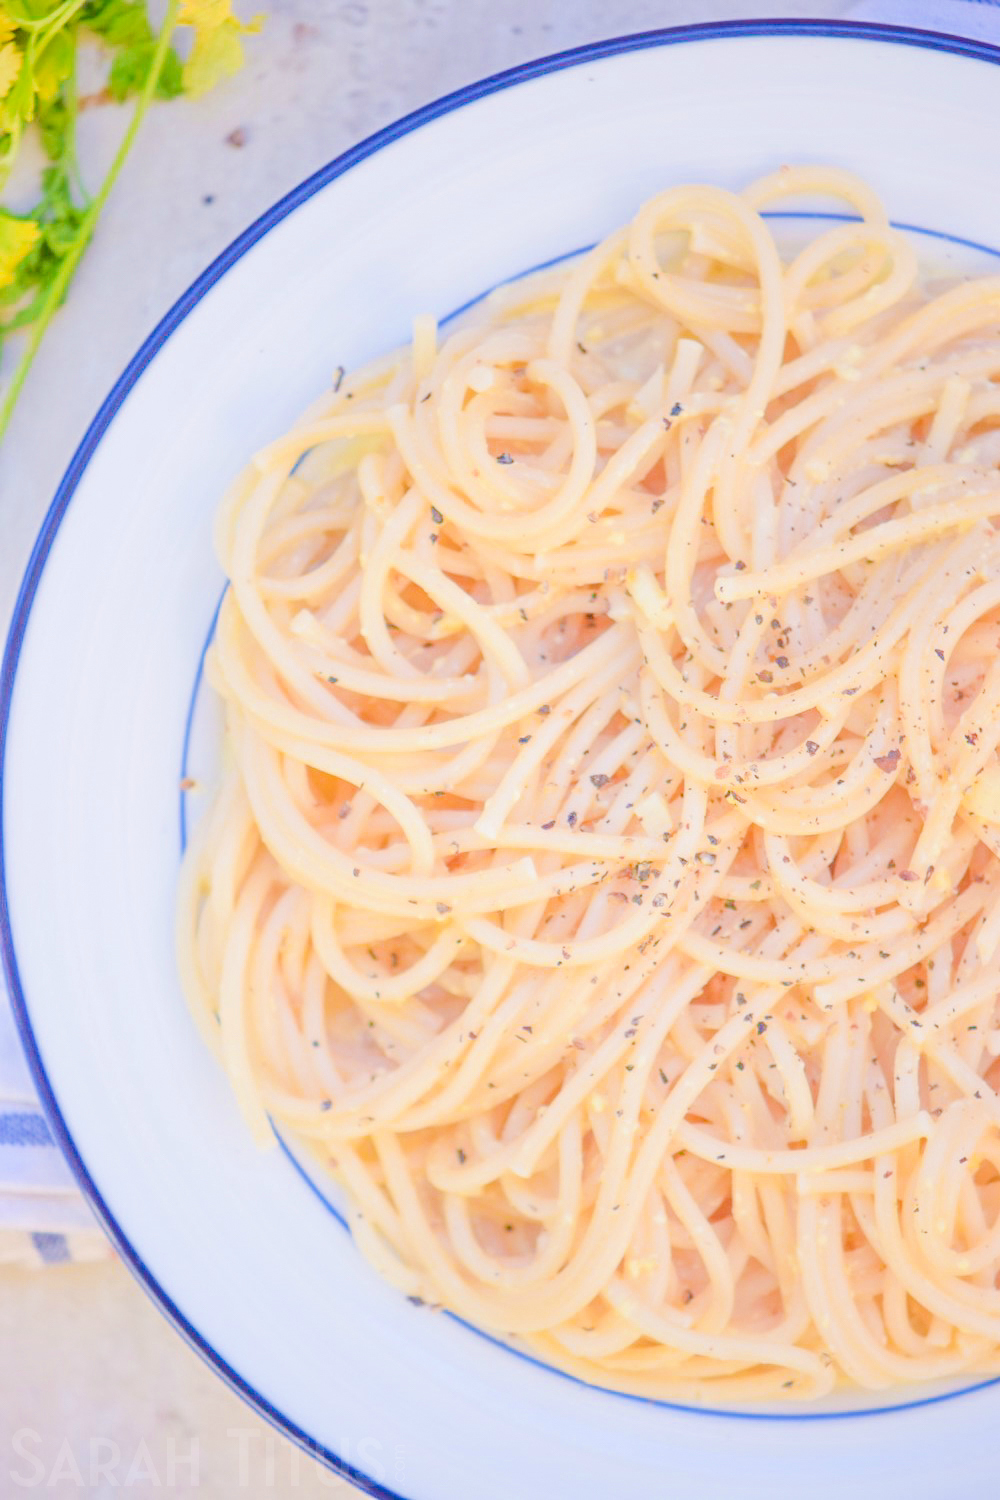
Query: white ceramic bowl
[(234, 1244)]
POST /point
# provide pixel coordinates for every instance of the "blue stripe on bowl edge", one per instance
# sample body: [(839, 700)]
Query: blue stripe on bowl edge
[(592, 52)]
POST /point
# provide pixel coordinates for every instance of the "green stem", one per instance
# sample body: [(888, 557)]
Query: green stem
[(57, 21), (69, 160), (53, 18), (57, 288)]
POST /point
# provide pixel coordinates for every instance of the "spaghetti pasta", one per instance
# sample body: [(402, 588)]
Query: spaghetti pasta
[(605, 877)]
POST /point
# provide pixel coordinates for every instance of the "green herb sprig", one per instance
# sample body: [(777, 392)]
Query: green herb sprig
[(41, 249)]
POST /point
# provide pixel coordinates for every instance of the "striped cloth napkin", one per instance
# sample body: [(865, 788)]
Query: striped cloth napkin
[(44, 1220)]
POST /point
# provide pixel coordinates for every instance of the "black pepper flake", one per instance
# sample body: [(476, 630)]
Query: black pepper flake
[(326, 1104), (504, 458), (765, 676), (908, 875), (550, 824), (524, 739), (442, 908), (938, 652), (888, 762), (545, 709), (811, 746), (739, 566), (571, 819), (781, 661), (676, 409), (599, 779), (461, 1155), (436, 516)]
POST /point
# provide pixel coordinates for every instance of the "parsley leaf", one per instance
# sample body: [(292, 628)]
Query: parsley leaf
[(217, 51), (123, 25), (130, 70), (10, 66), (17, 237), (54, 65)]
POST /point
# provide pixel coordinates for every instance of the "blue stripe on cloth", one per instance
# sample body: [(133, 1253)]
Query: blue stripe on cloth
[(52, 1248), (24, 1128)]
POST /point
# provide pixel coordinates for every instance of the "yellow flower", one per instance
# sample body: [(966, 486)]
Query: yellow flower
[(205, 14), (217, 50), (10, 65), (17, 236), (6, 27)]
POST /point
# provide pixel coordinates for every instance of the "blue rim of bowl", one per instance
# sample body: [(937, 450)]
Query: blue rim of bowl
[(592, 52)]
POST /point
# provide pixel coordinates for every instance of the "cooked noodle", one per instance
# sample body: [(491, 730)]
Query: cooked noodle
[(606, 875)]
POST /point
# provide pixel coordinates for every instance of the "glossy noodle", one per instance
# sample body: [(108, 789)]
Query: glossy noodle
[(605, 876)]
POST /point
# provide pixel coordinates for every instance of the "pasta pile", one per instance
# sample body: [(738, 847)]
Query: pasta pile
[(605, 878)]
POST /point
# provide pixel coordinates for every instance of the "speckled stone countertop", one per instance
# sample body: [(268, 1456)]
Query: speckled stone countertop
[(97, 1393)]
